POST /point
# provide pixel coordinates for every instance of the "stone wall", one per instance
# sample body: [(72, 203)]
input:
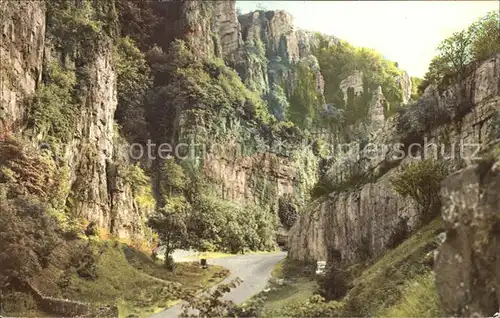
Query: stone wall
[(69, 308)]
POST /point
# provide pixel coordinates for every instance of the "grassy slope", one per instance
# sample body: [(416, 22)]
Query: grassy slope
[(124, 278), (384, 285), (298, 285), (399, 284)]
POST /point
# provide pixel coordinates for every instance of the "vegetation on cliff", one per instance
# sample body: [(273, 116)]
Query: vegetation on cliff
[(476, 43)]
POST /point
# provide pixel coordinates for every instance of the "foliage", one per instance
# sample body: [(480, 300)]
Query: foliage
[(486, 36), (424, 115), (223, 225), (139, 21), (278, 103), (287, 211), (253, 70), (28, 237), (170, 224), (422, 182), (316, 306), (305, 98), (189, 85), (306, 164), (477, 42), (419, 299), (53, 109), (212, 304), (415, 84), (333, 285), (76, 28), (172, 178), (141, 186), (337, 62), (133, 81)]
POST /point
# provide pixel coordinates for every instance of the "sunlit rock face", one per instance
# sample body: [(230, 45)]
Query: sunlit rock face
[(361, 217)]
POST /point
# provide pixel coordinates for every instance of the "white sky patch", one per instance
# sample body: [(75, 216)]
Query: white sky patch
[(407, 32)]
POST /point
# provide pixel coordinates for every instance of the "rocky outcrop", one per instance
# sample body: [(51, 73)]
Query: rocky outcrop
[(275, 29), (21, 55), (26, 47), (356, 223), (211, 28), (404, 82), (376, 111), (363, 192), (239, 175), (467, 264), (353, 81)]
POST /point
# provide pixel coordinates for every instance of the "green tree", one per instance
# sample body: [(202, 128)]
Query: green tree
[(486, 36), (477, 42), (172, 178), (170, 222), (422, 182), (133, 82), (287, 211)]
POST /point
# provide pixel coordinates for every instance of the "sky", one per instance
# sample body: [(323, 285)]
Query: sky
[(407, 32)]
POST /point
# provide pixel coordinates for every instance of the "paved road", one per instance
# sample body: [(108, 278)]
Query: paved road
[(254, 270)]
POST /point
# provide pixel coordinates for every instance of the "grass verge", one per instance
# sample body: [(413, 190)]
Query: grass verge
[(122, 276)]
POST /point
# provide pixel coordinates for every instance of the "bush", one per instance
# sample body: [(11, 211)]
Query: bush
[(316, 306), (28, 237), (333, 284), (421, 181), (287, 211), (53, 109)]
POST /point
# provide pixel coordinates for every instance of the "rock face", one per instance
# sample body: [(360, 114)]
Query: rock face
[(218, 35), (94, 192), (275, 29), (404, 81), (467, 263), (21, 56), (96, 157), (353, 81), (365, 213), (239, 175), (356, 223)]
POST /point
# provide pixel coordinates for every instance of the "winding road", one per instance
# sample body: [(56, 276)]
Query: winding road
[(254, 270)]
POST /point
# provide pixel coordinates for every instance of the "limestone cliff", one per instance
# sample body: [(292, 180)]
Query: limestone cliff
[(467, 264), (363, 210), (21, 51), (29, 46)]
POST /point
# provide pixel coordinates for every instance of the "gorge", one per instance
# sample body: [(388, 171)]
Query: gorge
[(83, 83)]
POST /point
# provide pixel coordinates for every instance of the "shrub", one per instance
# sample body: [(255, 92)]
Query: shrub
[(421, 181), (477, 42), (212, 304), (316, 306), (28, 237), (52, 110), (333, 284), (287, 211)]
